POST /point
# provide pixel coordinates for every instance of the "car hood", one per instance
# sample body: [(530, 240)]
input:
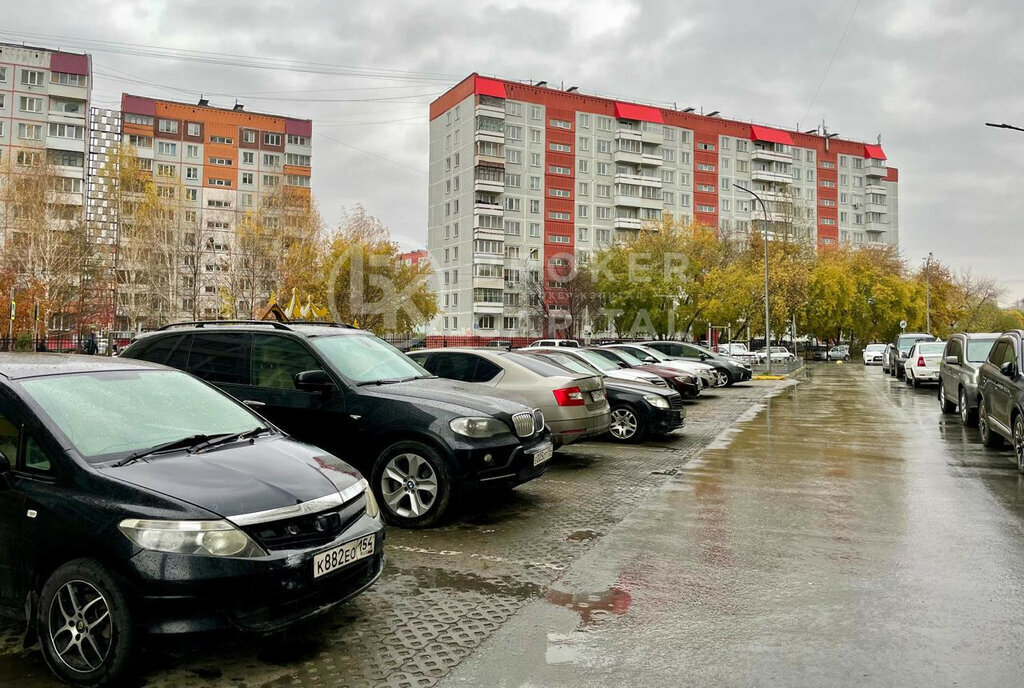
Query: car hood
[(242, 478), (661, 370), (458, 398), (636, 387)]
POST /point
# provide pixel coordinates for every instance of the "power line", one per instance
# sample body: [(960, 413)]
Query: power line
[(834, 53), (370, 153)]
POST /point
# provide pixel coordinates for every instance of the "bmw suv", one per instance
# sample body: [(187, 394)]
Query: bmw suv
[(422, 441)]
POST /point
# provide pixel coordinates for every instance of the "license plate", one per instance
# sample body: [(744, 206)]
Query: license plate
[(598, 395), (542, 456), (342, 555)]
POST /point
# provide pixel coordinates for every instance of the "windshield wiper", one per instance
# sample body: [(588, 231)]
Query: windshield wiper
[(218, 440), (183, 443), (394, 381)]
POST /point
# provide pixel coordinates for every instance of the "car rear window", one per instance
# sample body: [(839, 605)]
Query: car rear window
[(929, 349), (977, 349), (537, 365)]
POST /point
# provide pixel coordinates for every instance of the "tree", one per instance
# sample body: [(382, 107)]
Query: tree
[(368, 283), (565, 302)]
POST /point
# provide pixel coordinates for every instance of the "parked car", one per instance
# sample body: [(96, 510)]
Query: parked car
[(922, 364), (838, 353), (556, 342), (423, 442), (499, 344), (710, 376), (737, 350), (873, 354), (888, 357), (1001, 408), (779, 354), (605, 366), (688, 385), (962, 358), (901, 349), (136, 499), (638, 409), (573, 404), (733, 368)]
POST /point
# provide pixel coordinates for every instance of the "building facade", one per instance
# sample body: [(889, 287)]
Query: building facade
[(524, 179)]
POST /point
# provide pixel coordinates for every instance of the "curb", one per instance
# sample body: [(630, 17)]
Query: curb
[(779, 377)]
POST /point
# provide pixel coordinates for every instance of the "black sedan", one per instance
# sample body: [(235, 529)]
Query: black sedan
[(736, 370), (135, 498), (639, 410)]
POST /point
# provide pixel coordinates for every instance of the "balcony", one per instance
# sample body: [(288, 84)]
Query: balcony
[(646, 180), (876, 226), (639, 202), (490, 129), (876, 208), (489, 233), (772, 176), (61, 143), (489, 177), (652, 158), (488, 106), (769, 155), (489, 259), (875, 188), (628, 223), (628, 157), (489, 283), (875, 168)]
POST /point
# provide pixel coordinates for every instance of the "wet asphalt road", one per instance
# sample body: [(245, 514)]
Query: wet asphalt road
[(848, 535), (836, 532)]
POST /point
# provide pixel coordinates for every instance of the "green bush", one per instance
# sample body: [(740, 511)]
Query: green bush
[(23, 342)]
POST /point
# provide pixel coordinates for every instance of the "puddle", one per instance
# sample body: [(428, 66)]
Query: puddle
[(583, 535), (593, 607), (444, 579)]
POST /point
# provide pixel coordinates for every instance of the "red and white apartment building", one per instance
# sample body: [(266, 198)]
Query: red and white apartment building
[(527, 178)]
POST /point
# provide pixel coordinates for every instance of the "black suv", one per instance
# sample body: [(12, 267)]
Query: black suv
[(1001, 386), (136, 499), (420, 439)]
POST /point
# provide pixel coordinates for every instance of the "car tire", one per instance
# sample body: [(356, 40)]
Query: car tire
[(968, 416), (84, 625), (988, 438), (627, 425), (1018, 441), (945, 405), (915, 383), (413, 484)]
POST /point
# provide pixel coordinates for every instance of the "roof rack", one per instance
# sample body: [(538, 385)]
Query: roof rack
[(322, 323), (204, 323)]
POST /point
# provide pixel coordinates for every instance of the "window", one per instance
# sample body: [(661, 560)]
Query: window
[(167, 126), (166, 170), (247, 177), (535, 227), (704, 167), (558, 169), (27, 159), (668, 176), (706, 188), (513, 227), (513, 204), (559, 193), (166, 148), (271, 180), (583, 188), (220, 357), (140, 141), (603, 190), (191, 195), (705, 208), (271, 139), (604, 236), (32, 132), (221, 161), (725, 183), (604, 123), (669, 154), (534, 183), (827, 183), (513, 133), (3, 75), (844, 179), (27, 104), (706, 146), (604, 146), (670, 198), (513, 156), (31, 77), (827, 221), (64, 158), (560, 147), (604, 212), (604, 168), (66, 131), (192, 151), (534, 159), (271, 160), (67, 185), (218, 182), (560, 124), (827, 165), (535, 112), (292, 139), (554, 215), (582, 211), (809, 175), (297, 180)]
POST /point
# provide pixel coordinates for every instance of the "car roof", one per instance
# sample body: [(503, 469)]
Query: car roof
[(303, 329), (978, 335), (17, 366)]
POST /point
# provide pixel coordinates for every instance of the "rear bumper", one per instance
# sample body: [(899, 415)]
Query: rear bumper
[(923, 375), (567, 431)]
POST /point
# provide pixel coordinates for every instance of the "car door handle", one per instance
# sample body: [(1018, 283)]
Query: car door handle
[(252, 403)]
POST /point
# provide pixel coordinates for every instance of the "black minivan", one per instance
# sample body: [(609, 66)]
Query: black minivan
[(422, 440), (136, 499)]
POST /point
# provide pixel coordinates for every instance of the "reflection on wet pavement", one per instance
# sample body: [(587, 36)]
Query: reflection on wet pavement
[(847, 534)]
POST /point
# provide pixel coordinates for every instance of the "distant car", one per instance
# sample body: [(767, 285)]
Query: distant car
[(555, 342), (838, 353), (901, 349), (873, 353), (922, 364), (499, 344), (736, 370), (687, 384), (958, 373), (1001, 409), (638, 409), (604, 366), (574, 405), (887, 358), (779, 354), (711, 377), (737, 350)]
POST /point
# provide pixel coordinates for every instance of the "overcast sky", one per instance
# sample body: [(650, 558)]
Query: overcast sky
[(925, 74)]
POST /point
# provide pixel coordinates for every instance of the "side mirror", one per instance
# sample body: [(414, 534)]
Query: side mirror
[(650, 359), (314, 381), (1009, 369), (703, 356), (952, 360), (5, 471)]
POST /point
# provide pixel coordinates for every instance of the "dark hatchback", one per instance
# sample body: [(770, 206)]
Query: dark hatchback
[(422, 441), (734, 369), (1001, 387), (135, 499)]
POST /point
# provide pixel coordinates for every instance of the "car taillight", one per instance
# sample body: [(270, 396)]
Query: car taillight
[(920, 361), (569, 396)]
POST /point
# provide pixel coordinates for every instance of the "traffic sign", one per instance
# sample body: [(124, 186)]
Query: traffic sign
[(903, 324)]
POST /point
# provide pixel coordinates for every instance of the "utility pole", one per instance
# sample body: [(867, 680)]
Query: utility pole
[(10, 322), (767, 310), (928, 294)]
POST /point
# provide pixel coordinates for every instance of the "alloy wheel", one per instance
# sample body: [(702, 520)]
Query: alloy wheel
[(965, 410), (409, 485), (80, 626), (624, 424), (1018, 441)]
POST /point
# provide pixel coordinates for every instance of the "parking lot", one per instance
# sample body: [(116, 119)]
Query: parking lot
[(446, 590)]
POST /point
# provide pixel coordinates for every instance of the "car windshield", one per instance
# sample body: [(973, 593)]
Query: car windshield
[(597, 360), (977, 349), (626, 357), (932, 348), (905, 343), (365, 358), (109, 415), (647, 351)]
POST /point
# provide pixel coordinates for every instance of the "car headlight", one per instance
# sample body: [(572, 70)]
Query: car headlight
[(479, 427), (656, 400), (372, 510), (683, 378), (204, 538)]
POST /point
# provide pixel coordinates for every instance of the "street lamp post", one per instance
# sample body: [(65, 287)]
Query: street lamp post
[(928, 294), (767, 310)]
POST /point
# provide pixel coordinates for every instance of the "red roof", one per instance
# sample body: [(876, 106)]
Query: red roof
[(489, 87), (770, 135), (638, 112), (874, 152)]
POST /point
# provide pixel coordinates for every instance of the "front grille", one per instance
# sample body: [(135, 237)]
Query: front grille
[(524, 423), (538, 420), (309, 530), (675, 401)]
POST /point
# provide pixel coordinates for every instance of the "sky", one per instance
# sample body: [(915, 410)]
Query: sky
[(925, 75)]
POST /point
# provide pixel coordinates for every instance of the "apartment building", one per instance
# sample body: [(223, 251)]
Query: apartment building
[(215, 165), (44, 121), (527, 178)]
